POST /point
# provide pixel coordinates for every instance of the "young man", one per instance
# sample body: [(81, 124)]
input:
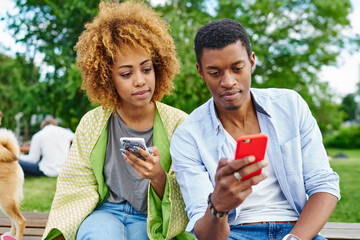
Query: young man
[(49, 148), (297, 190)]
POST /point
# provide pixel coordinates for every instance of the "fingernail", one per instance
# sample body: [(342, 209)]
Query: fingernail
[(122, 151), (136, 148), (251, 158), (149, 149)]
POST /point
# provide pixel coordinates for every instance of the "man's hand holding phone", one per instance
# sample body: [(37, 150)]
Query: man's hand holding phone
[(251, 145), (232, 189)]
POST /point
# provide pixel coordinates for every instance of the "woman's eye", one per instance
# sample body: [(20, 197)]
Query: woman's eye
[(147, 70), (125, 75)]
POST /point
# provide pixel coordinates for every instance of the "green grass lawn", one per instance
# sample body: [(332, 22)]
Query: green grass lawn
[(348, 208), (39, 192)]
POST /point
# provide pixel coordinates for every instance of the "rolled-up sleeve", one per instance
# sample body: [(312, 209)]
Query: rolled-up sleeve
[(317, 173)]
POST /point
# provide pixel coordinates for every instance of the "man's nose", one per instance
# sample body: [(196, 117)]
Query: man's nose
[(228, 79)]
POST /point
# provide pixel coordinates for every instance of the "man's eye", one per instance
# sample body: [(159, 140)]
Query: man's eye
[(237, 69), (214, 74)]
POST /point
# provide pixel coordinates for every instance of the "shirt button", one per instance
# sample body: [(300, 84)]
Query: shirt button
[(217, 149)]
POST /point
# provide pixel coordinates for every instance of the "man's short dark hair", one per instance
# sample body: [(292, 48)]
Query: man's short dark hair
[(218, 34)]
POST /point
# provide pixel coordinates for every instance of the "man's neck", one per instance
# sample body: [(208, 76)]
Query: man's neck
[(242, 121)]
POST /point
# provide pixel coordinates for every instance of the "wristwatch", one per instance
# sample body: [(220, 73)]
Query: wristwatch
[(290, 237)]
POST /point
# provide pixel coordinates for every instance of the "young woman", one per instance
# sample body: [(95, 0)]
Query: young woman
[(128, 62)]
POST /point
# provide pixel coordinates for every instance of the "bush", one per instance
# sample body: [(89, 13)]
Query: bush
[(347, 137)]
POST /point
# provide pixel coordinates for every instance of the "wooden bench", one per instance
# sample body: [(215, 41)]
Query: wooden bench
[(35, 224), (341, 231)]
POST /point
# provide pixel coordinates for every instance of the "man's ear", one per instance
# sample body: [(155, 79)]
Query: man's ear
[(198, 68), (252, 61)]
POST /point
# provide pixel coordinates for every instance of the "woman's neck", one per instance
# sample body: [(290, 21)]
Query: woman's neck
[(140, 118)]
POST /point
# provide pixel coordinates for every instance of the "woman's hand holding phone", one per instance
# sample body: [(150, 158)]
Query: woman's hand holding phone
[(145, 162)]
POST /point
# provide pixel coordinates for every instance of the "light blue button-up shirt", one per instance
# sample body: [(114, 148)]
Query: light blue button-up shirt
[(295, 150)]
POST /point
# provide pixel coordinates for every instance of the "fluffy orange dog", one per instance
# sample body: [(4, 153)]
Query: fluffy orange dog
[(11, 182)]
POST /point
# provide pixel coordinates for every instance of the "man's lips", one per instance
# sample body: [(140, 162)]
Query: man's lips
[(230, 95)]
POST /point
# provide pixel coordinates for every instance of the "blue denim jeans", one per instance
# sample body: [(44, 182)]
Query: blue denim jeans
[(31, 169), (113, 221), (271, 231)]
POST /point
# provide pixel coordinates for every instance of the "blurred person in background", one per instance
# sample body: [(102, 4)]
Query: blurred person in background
[(48, 150)]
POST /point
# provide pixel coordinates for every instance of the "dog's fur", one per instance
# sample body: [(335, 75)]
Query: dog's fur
[(11, 182)]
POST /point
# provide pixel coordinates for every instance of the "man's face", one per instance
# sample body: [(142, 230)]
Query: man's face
[(227, 73)]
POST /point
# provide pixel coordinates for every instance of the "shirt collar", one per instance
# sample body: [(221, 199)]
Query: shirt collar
[(215, 120)]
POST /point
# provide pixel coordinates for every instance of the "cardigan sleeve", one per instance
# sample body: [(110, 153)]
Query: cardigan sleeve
[(76, 194), (167, 217)]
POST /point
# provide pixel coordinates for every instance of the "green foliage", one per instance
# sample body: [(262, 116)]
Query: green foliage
[(292, 40), (347, 137), (18, 86), (349, 106), (347, 209), (185, 18), (53, 27)]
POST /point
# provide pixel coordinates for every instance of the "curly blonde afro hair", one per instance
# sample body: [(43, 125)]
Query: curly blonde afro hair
[(118, 27)]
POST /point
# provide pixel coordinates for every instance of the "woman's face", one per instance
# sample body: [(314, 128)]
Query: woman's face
[(134, 78)]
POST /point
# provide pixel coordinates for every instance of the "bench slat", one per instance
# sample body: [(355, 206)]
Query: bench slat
[(35, 224), (341, 231), (28, 231), (41, 223)]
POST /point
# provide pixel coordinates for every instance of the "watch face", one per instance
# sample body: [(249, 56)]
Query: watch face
[(292, 237)]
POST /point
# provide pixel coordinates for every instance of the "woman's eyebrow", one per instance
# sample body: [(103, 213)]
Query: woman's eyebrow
[(131, 66)]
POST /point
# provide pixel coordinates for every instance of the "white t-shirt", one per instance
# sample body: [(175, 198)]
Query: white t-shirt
[(51, 144), (266, 202)]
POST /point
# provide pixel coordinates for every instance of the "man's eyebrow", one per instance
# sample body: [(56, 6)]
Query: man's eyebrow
[(235, 63)]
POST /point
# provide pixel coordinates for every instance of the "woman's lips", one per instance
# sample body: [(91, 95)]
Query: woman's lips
[(141, 94)]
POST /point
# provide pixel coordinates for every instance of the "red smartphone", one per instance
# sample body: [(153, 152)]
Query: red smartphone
[(254, 145)]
